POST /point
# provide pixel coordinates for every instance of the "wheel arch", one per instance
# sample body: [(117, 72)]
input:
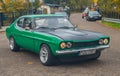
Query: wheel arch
[(10, 36), (48, 47)]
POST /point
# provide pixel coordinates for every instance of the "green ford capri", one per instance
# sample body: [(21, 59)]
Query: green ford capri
[(53, 37)]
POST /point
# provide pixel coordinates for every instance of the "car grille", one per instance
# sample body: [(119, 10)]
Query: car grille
[(85, 44)]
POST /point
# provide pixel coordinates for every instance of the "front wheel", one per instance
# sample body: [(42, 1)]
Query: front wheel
[(87, 19), (13, 46), (46, 56)]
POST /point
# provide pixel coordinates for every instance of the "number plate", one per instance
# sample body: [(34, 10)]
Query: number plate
[(96, 17), (87, 52)]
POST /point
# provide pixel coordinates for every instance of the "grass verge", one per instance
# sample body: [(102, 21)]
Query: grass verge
[(112, 24)]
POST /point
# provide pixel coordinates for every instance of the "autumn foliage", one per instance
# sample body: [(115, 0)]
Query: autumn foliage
[(16, 5), (109, 5)]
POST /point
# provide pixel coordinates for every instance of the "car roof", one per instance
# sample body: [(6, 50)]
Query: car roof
[(43, 15)]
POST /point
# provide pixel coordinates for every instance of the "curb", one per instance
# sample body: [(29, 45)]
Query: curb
[(3, 29), (98, 22)]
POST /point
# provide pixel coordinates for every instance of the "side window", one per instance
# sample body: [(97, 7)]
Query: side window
[(20, 22), (27, 23)]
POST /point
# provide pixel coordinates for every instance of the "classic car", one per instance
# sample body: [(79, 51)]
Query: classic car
[(54, 37), (93, 15)]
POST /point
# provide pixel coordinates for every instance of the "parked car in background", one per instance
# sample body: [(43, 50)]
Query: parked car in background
[(53, 37), (93, 15)]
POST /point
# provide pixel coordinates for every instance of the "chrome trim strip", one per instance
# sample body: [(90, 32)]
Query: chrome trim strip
[(78, 50)]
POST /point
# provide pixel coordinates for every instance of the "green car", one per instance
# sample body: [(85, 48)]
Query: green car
[(53, 37)]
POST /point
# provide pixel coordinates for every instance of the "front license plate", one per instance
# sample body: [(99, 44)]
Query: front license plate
[(96, 17), (87, 52)]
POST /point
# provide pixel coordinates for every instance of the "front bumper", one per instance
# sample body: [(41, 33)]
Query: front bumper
[(58, 52)]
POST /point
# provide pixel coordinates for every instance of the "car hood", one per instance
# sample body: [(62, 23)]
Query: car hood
[(71, 34)]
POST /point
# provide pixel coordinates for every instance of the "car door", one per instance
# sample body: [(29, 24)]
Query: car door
[(27, 34), (18, 32), (23, 36)]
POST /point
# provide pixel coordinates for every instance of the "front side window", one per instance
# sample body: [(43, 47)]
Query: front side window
[(27, 23), (20, 22)]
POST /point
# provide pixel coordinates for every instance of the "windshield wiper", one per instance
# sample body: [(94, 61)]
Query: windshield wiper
[(64, 27), (43, 28)]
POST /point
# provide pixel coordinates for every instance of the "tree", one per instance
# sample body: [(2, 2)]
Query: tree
[(77, 4), (12, 5), (2, 4), (117, 5), (109, 5), (73, 4), (17, 5), (37, 3)]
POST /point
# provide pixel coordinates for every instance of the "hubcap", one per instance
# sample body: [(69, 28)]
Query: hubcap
[(11, 43), (43, 55)]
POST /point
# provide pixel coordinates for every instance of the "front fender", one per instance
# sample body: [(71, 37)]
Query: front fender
[(43, 38)]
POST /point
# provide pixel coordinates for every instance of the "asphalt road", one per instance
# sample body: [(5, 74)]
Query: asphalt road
[(25, 63)]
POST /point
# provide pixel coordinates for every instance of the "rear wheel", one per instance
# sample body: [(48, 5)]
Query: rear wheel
[(46, 56), (13, 46)]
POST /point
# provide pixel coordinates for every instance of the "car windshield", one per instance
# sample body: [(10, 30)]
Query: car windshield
[(62, 13), (94, 13), (52, 22)]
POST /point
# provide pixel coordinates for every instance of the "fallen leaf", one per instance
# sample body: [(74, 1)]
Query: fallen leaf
[(30, 63)]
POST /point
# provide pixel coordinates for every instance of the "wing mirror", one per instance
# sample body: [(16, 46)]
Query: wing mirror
[(75, 26)]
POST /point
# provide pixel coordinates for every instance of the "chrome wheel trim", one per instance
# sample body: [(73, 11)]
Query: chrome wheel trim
[(11, 44), (43, 54)]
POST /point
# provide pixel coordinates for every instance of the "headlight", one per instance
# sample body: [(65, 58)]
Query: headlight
[(69, 45), (105, 41), (63, 45), (66, 45), (101, 41)]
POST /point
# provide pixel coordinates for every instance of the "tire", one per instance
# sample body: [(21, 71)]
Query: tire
[(13, 46), (87, 19), (82, 17), (46, 56)]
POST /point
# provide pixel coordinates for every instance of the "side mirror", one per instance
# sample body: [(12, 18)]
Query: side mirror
[(76, 26)]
